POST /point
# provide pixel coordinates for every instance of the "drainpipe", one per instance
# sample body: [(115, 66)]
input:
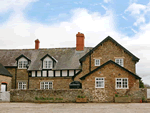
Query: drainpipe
[(90, 61), (15, 76)]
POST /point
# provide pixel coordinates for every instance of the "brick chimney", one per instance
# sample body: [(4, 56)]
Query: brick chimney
[(79, 42), (37, 44)]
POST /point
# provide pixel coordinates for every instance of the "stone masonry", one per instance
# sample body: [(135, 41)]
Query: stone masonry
[(7, 80)]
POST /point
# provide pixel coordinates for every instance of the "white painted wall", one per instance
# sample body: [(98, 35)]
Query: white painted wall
[(64, 73), (71, 72), (57, 73), (33, 73), (44, 73), (50, 73)]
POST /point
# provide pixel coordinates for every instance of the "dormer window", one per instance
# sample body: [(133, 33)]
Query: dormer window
[(22, 63), (47, 64), (48, 61)]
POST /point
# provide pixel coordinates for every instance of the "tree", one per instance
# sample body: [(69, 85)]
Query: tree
[(141, 84)]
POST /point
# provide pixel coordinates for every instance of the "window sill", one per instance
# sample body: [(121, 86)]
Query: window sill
[(22, 68), (99, 87), (122, 88)]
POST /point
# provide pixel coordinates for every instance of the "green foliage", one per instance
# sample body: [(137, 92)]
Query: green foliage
[(141, 84), (116, 95), (80, 96), (143, 98), (36, 98)]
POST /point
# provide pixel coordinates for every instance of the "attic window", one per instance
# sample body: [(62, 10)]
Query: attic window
[(22, 63), (47, 64)]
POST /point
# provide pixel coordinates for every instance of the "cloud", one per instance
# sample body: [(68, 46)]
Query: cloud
[(104, 7), (6, 5), (135, 8), (106, 1), (124, 17), (139, 21), (133, 30), (138, 11)]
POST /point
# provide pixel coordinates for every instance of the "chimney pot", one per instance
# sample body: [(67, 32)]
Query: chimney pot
[(37, 44), (79, 42)]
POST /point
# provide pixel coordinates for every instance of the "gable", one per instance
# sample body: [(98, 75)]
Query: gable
[(110, 61), (22, 58), (48, 57), (134, 58)]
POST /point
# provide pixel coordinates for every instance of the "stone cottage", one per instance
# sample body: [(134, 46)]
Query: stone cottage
[(107, 68)]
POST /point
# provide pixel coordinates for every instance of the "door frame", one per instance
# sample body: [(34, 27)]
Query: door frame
[(4, 84)]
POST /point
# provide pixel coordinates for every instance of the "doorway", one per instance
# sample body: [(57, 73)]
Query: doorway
[(3, 87)]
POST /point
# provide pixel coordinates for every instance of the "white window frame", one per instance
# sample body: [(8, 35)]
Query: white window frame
[(96, 62), (22, 84), (22, 64), (100, 81), (46, 83), (47, 64), (121, 80), (120, 60)]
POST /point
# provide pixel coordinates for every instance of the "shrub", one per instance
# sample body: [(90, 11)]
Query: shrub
[(36, 98)]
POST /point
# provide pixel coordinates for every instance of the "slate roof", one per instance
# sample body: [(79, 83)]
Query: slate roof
[(4, 71), (68, 58), (134, 58), (110, 61)]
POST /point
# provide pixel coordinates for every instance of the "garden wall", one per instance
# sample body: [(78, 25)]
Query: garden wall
[(50, 95), (70, 95)]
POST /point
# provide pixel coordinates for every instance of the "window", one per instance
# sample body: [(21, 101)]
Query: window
[(21, 85), (46, 85), (119, 61), (47, 64), (99, 82), (97, 62), (121, 83), (22, 64)]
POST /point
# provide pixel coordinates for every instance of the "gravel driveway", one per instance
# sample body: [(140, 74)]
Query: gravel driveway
[(74, 108)]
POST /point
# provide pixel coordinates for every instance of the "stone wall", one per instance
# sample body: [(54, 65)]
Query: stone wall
[(29, 95), (71, 94), (7, 80)]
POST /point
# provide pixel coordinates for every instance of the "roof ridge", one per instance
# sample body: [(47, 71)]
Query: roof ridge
[(41, 48)]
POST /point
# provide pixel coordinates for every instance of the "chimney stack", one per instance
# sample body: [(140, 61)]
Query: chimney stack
[(37, 44), (79, 42)]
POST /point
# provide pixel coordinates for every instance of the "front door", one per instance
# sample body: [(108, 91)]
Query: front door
[(3, 87)]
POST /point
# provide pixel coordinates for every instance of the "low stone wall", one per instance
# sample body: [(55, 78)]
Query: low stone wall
[(70, 95), (136, 96), (57, 95)]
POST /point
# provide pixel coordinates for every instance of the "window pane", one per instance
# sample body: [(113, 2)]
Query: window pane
[(99, 82)]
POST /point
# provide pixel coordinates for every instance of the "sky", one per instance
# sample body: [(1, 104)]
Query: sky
[(56, 22)]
